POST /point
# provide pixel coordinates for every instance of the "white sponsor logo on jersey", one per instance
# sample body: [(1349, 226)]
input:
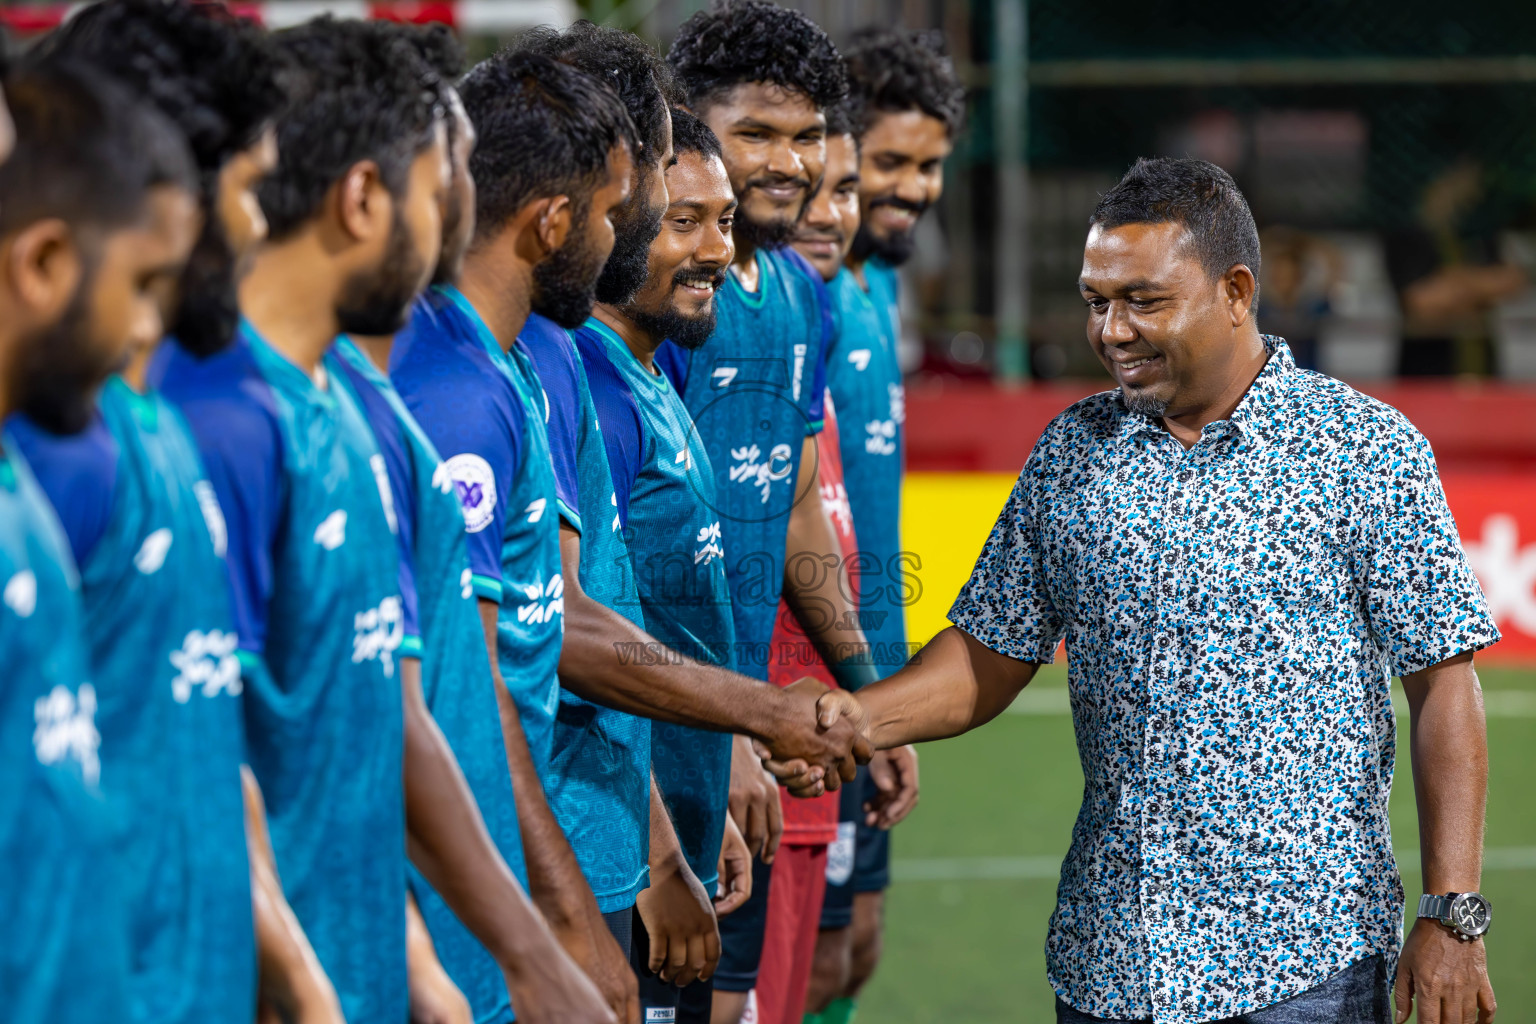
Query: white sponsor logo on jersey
[(213, 516), (859, 357), (724, 375), (152, 552), (66, 730), (206, 661), (442, 479), (535, 509), (467, 584), (377, 633), (613, 499), (761, 474), (545, 601), (386, 496), (475, 482), (794, 384), (21, 593), (684, 459), (835, 497), (709, 537), (882, 437), (332, 531), (898, 396)]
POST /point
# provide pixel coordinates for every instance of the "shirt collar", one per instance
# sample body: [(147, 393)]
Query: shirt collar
[(1257, 411)]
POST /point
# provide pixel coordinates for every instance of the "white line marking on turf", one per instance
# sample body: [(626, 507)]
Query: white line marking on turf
[(1046, 868), (1053, 700)]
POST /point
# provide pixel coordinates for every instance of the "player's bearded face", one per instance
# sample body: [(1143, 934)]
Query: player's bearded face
[(565, 283), (894, 245), (684, 312), (63, 367), (378, 301), (901, 167), (634, 229)]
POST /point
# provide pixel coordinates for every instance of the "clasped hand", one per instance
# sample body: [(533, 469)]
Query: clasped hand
[(819, 743)]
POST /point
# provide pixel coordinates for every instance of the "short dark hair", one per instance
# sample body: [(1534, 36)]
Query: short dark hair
[(87, 150), (893, 70), (544, 128), (360, 91), (1194, 193), (626, 64), (740, 41), (216, 76), (692, 135)]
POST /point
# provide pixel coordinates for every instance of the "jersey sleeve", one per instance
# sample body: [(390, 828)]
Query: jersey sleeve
[(77, 473), (478, 430), (619, 417), (242, 452), (555, 360)]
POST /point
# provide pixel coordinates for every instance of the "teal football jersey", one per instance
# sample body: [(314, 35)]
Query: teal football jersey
[(599, 778), (864, 379), (663, 470), (315, 578), (148, 536), (455, 676), (63, 958)]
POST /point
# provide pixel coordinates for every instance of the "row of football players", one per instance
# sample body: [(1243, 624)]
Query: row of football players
[(532, 539)]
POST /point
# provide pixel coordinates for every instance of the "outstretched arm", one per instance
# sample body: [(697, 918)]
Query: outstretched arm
[(687, 692), (451, 848)]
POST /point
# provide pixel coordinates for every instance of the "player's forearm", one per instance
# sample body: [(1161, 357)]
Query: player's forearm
[(290, 977), (817, 588), (1449, 743), (666, 851), (449, 843), (954, 684)]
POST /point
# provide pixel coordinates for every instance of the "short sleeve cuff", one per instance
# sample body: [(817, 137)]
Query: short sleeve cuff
[(411, 647), (569, 514), (814, 427), (1036, 645), (487, 587), (1409, 658)]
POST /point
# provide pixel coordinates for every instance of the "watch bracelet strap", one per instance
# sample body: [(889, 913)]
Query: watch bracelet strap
[(1436, 907)]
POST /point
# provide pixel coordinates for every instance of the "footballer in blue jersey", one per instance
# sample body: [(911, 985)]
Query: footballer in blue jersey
[(98, 213)]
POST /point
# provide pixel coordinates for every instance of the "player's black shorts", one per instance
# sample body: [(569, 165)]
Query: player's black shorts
[(872, 856), (660, 1002), (837, 905), (622, 924), (741, 935)]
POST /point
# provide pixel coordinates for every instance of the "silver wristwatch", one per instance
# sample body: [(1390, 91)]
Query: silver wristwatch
[(1468, 914)]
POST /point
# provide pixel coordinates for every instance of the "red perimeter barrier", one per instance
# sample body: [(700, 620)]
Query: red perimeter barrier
[(1484, 436)]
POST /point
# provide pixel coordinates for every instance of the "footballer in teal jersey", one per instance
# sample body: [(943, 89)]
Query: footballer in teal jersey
[(315, 576), (65, 954), (660, 465), (455, 680), (599, 777), (484, 409), (146, 530)]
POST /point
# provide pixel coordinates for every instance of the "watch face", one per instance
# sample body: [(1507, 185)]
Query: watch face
[(1469, 914)]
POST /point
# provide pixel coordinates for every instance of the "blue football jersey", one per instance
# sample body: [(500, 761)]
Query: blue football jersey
[(455, 678), (64, 958), (599, 778), (662, 475), (755, 391), (484, 410), (315, 580), (864, 378), (147, 534)]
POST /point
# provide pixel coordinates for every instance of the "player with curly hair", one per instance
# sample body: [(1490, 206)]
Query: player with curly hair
[(761, 77), (907, 105)]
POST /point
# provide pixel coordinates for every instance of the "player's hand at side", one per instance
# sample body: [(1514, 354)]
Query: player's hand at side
[(894, 773), (435, 999), (735, 886), (680, 921), (609, 967), (1447, 977), (754, 801), (550, 988), (820, 744)]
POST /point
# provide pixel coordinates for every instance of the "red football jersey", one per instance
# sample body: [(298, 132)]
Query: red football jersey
[(814, 821)]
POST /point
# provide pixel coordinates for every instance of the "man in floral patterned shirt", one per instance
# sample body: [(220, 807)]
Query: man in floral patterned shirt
[(1240, 556)]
